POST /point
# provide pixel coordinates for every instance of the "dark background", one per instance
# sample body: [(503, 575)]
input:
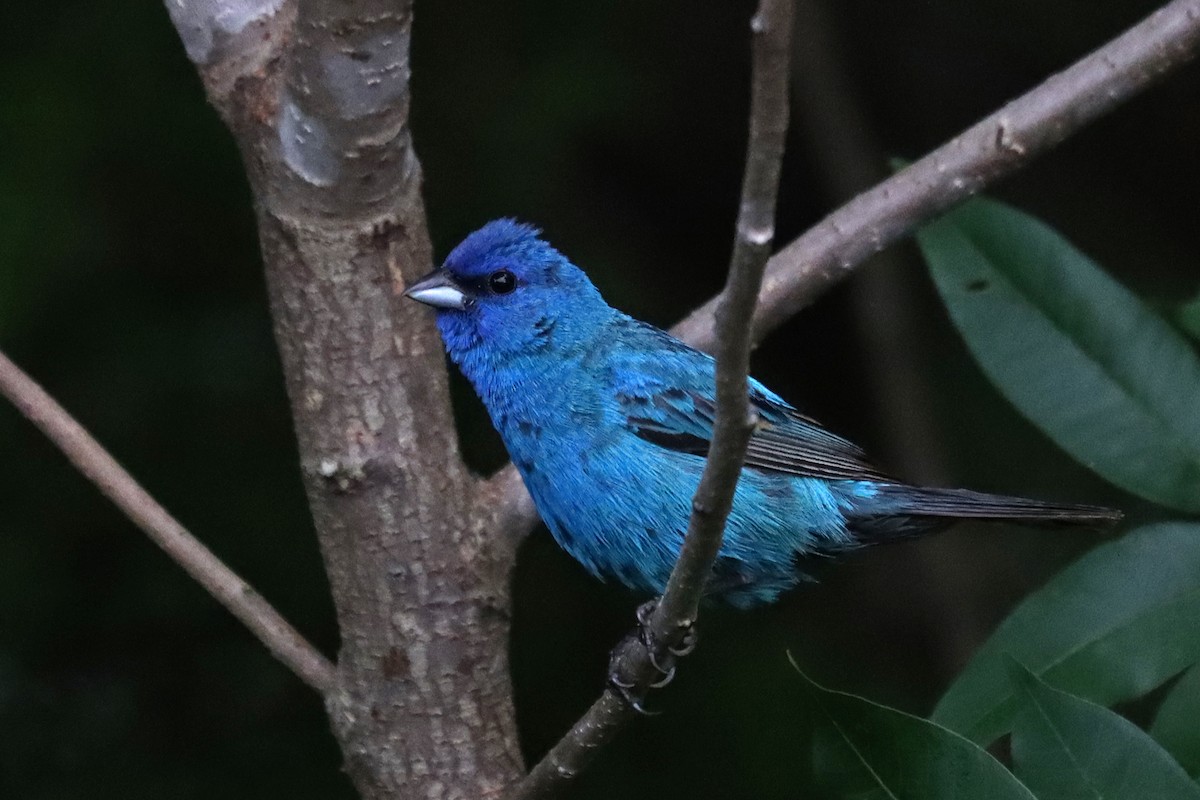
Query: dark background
[(130, 286)]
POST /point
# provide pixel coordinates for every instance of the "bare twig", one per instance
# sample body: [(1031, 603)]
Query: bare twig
[(981, 155), (284, 642), (991, 149), (677, 609)]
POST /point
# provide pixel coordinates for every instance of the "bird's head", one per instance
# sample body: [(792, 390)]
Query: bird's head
[(506, 288)]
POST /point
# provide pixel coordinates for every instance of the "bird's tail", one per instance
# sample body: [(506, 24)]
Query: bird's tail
[(950, 504)]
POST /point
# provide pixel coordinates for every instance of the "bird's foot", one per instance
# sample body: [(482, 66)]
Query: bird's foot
[(685, 646), (624, 691), (661, 656), (628, 691)]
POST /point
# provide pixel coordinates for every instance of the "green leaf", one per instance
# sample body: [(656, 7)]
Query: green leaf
[(836, 767), (1112, 626), (1188, 317), (1065, 748), (903, 756), (1177, 724), (1083, 358)]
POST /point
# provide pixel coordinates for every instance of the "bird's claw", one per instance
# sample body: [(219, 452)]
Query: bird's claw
[(624, 691), (668, 670), (643, 614), (668, 675), (687, 642), (655, 652), (622, 688)]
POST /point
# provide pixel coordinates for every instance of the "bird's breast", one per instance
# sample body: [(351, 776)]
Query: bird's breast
[(546, 417)]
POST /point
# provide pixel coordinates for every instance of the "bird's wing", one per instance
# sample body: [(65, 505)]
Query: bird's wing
[(666, 391)]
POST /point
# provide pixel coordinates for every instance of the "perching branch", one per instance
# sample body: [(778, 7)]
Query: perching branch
[(990, 150), (284, 642), (677, 608), (316, 94)]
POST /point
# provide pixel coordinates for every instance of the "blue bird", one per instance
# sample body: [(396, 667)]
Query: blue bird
[(609, 419)]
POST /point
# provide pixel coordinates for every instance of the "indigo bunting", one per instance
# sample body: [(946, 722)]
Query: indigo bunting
[(608, 419)]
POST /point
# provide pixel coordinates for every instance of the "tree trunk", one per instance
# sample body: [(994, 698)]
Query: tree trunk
[(316, 95)]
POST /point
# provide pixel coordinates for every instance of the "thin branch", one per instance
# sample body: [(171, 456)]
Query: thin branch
[(284, 642), (735, 421), (677, 608), (981, 155), (978, 157)]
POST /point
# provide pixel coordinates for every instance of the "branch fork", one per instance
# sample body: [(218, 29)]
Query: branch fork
[(385, 370)]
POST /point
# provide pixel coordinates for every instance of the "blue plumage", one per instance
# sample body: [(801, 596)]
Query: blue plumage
[(608, 420)]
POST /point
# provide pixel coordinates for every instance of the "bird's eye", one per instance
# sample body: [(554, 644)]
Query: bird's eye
[(502, 281)]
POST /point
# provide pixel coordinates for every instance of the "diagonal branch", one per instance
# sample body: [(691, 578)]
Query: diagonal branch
[(978, 157), (284, 642), (677, 608), (991, 149)]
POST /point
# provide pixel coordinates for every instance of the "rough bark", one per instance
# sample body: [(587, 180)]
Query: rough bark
[(422, 705), (423, 697)]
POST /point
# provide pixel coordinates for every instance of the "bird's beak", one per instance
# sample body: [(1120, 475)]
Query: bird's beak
[(439, 290)]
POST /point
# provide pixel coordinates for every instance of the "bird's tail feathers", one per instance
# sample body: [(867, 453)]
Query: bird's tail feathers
[(965, 504)]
